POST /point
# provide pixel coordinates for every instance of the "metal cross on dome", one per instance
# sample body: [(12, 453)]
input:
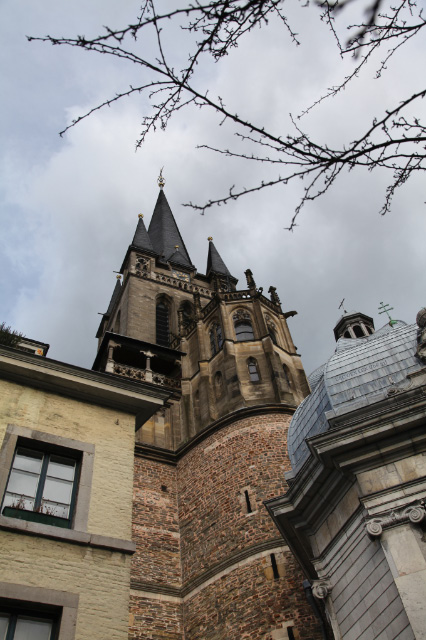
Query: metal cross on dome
[(385, 308)]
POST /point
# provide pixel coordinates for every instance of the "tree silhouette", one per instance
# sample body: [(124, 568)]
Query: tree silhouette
[(394, 140)]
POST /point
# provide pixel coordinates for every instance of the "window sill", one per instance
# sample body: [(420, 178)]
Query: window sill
[(66, 535), (34, 516)]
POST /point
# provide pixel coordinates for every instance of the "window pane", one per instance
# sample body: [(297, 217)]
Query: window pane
[(59, 468), (4, 621), (18, 502), (23, 483), (27, 461), (55, 509), (27, 629), (57, 490)]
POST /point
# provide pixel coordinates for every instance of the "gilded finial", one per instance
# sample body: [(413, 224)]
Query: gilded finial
[(140, 215), (118, 277), (176, 246), (210, 239), (161, 181)]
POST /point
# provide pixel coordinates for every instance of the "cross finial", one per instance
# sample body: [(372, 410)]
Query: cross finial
[(342, 307), (385, 308), (161, 181)]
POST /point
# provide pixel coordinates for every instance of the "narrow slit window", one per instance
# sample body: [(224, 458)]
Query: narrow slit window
[(248, 503), (274, 567), (290, 633)]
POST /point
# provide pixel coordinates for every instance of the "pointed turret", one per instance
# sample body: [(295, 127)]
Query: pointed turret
[(215, 263), (165, 236), (141, 238)]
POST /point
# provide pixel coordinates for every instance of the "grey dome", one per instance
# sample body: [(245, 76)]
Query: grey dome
[(359, 370)]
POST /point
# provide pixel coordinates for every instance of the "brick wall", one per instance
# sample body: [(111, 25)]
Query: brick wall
[(200, 529)]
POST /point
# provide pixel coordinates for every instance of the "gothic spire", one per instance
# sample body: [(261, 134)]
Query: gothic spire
[(164, 234), (215, 262), (114, 297), (141, 238)]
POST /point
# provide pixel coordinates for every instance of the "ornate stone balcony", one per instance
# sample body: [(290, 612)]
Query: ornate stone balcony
[(146, 375)]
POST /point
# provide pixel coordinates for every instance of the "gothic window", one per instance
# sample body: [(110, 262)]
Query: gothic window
[(212, 342), (243, 327), (253, 370), (347, 334), (216, 339), (162, 324), (287, 376), (272, 333)]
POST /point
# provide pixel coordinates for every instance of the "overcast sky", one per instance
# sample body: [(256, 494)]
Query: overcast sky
[(69, 205)]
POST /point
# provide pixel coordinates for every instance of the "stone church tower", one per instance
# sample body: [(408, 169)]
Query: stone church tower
[(209, 564)]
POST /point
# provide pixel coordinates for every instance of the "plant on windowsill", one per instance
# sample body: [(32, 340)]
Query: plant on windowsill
[(42, 515)]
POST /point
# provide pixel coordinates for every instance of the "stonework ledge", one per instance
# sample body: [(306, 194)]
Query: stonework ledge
[(67, 535), (414, 513)]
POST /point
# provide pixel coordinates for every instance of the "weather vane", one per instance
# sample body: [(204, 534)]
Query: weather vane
[(161, 181), (342, 307), (385, 308)]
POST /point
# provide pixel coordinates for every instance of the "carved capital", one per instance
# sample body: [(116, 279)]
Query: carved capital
[(321, 588), (414, 513)]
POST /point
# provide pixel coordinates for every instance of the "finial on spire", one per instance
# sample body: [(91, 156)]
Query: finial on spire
[(176, 247), (161, 180), (342, 307), (140, 215), (118, 277), (210, 239)]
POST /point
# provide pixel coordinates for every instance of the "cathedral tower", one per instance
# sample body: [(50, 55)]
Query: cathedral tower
[(209, 562)]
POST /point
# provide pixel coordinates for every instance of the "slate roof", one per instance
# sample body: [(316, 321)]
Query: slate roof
[(114, 297), (141, 238), (164, 234), (215, 262), (359, 370)]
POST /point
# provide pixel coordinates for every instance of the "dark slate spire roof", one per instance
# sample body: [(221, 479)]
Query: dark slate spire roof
[(114, 297), (141, 238), (215, 262), (164, 234)]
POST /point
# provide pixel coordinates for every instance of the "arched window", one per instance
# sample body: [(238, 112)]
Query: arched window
[(358, 331), (213, 346), (272, 333), (287, 376), (219, 337), (347, 334), (162, 324), (216, 339), (242, 325), (253, 370)]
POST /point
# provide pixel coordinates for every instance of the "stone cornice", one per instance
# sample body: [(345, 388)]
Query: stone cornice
[(172, 456)]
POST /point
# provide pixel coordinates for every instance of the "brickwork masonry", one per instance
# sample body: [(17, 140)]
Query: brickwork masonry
[(209, 563)]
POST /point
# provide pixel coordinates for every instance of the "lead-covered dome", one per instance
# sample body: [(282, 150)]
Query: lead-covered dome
[(359, 370)]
